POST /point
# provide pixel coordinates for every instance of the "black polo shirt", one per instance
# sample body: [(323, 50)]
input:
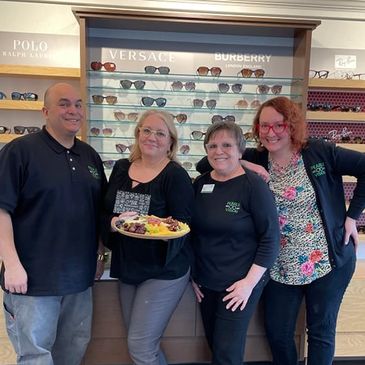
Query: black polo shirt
[(53, 195)]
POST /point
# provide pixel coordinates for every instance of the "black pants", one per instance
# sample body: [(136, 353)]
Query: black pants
[(323, 298), (226, 330)]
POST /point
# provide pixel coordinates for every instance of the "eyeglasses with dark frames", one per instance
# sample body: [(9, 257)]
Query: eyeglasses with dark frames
[(247, 72), (108, 132), (321, 74), (147, 132), (119, 115), (178, 86), (196, 135), (163, 70), (181, 118), (15, 95), (224, 88), (99, 99), (198, 103), (219, 118), (204, 71), (121, 148), (19, 129), (264, 89), (277, 128), (127, 84), (108, 66), (4, 130), (148, 101)]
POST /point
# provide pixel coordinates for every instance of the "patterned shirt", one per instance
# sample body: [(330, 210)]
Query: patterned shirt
[(303, 255)]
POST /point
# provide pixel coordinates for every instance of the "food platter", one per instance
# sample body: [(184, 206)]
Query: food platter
[(152, 228)]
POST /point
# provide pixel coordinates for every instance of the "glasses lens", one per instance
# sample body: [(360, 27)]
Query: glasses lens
[(202, 71), (119, 116), (255, 104), (177, 86), (181, 118), (230, 118), (30, 96), (276, 89), (147, 101), (263, 89), (94, 131), (132, 117), (121, 148), (217, 118), (184, 149), (323, 74), (108, 131), (187, 165), (236, 88), (2, 95), (96, 66), (198, 103), (242, 104), (98, 99), (150, 69), (246, 72), (125, 84), (139, 84), (110, 66), (211, 104), (109, 164), (161, 102), (190, 86), (16, 95), (223, 87), (4, 130), (163, 70), (111, 99), (197, 134), (19, 129), (33, 129), (259, 72), (215, 71)]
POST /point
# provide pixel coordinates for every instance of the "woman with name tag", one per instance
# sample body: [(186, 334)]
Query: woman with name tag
[(235, 240), (318, 234), (152, 274)]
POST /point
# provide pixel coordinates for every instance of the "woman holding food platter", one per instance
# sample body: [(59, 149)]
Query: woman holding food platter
[(235, 238), (151, 264)]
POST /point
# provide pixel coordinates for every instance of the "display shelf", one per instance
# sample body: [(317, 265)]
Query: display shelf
[(335, 116), (5, 138), (360, 147), (339, 84), (20, 105), (39, 71)]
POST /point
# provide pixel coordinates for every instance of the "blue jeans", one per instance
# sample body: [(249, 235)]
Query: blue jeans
[(226, 330), (147, 309), (323, 298), (49, 330)]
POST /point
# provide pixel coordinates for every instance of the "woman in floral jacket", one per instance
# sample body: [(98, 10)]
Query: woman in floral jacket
[(318, 234)]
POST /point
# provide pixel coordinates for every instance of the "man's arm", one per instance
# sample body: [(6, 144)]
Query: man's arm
[(15, 277)]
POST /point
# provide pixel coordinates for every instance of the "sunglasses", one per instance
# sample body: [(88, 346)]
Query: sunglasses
[(15, 95), (109, 164), (163, 70), (108, 66), (127, 84), (148, 101), (246, 72), (358, 139), (184, 149), (204, 70), (4, 130), (121, 148), (104, 131), (21, 130), (224, 88), (197, 135), (122, 116), (187, 165), (180, 118), (2, 95), (110, 99), (198, 103), (321, 74), (178, 85), (218, 118), (264, 89)]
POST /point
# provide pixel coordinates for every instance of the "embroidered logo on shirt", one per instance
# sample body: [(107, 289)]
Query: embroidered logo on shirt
[(232, 207), (94, 172), (318, 169)]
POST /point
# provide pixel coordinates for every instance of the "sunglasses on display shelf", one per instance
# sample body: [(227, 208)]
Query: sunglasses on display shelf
[(109, 164), (127, 84), (264, 89), (247, 72), (198, 103), (321, 74), (108, 132), (4, 130), (21, 129), (204, 71), (358, 140), (163, 70), (327, 107), (181, 118), (118, 115), (147, 132), (361, 229), (359, 76), (15, 95), (178, 86), (2, 95), (184, 149), (224, 88), (148, 101), (277, 128), (196, 135), (187, 165), (99, 99), (249, 137), (121, 148), (219, 118), (108, 66)]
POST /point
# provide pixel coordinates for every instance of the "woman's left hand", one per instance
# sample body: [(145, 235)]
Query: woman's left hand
[(239, 295), (351, 230)]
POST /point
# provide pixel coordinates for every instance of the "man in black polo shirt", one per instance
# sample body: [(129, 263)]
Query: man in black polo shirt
[(50, 193)]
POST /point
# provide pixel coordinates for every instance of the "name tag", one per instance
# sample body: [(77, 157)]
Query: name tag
[(207, 188)]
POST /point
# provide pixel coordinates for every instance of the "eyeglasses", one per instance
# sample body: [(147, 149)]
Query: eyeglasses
[(148, 101), (224, 146), (321, 74), (127, 84), (197, 135), (109, 66), (122, 116), (264, 89), (2, 95), (356, 76), (163, 70), (224, 88), (110, 99), (204, 70), (178, 85), (218, 118), (20, 129), (249, 136), (276, 128), (4, 130), (358, 139), (121, 148), (24, 96), (314, 106), (105, 131), (198, 103), (109, 164), (147, 132), (180, 118), (246, 72), (184, 149)]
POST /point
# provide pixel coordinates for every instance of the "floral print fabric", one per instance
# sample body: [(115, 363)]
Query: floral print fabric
[(303, 253)]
